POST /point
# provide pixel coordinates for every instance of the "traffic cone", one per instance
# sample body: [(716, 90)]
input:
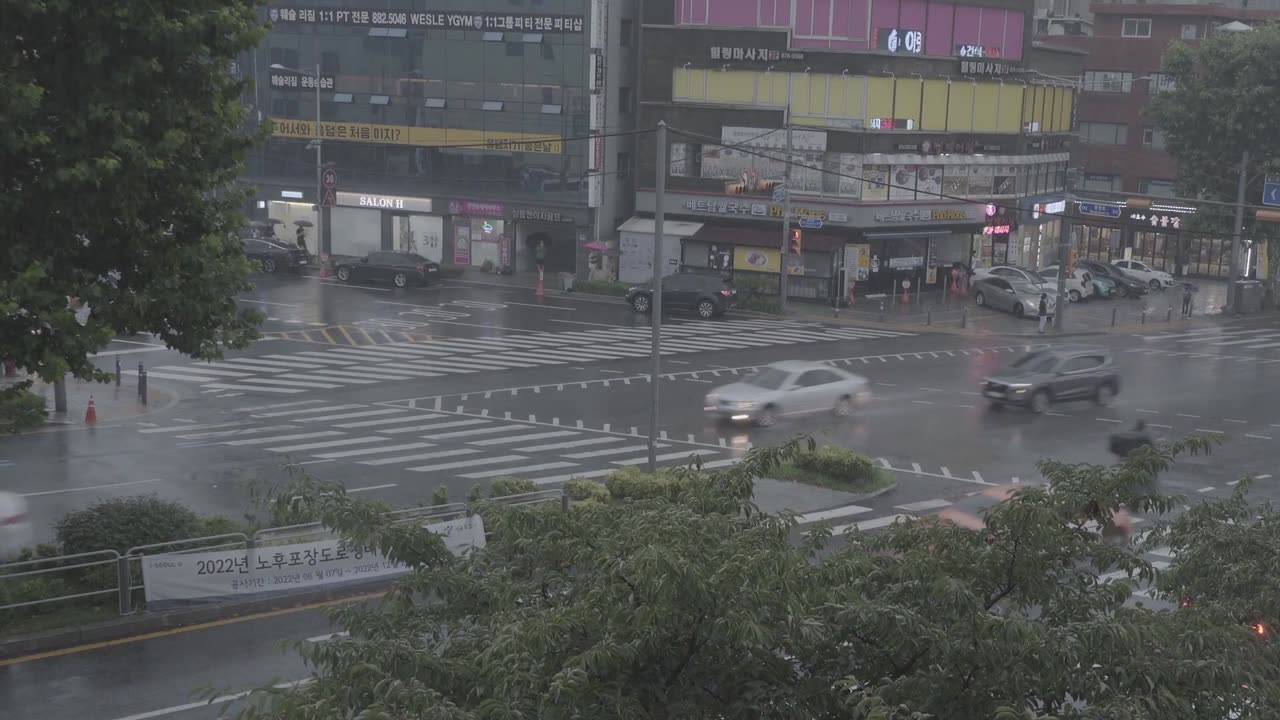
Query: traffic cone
[(91, 412)]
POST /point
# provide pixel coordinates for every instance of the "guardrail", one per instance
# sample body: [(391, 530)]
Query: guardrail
[(79, 582)]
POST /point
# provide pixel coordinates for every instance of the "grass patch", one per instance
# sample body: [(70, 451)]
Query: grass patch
[(837, 468), (65, 617)]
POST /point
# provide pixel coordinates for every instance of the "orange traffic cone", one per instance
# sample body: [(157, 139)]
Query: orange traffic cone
[(91, 412)]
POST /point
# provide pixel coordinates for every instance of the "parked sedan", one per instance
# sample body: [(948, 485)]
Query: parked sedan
[(708, 294), (1155, 279), (1020, 298), (274, 256), (1103, 287), (1044, 377), (401, 268), (788, 388), (1126, 286)]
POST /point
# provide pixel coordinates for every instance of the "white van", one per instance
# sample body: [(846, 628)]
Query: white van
[(1079, 285)]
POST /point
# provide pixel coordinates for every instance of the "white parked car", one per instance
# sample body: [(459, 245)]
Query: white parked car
[(1155, 279), (15, 525), (1012, 274), (788, 388), (1079, 285)]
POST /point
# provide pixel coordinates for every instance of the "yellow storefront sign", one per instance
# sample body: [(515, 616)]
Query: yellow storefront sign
[(758, 259), (418, 136)]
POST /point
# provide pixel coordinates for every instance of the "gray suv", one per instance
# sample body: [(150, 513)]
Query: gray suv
[(1039, 379)]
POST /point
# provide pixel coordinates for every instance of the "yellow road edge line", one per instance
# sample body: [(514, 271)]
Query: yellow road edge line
[(368, 337), (327, 336), (184, 629), (385, 336), (350, 340)]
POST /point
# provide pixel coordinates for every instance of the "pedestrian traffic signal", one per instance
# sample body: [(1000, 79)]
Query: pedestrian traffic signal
[(795, 242)]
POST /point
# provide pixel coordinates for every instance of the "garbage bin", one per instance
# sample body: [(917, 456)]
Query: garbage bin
[(566, 281), (1248, 297)]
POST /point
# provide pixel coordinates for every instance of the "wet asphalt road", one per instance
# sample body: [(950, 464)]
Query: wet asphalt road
[(341, 389)]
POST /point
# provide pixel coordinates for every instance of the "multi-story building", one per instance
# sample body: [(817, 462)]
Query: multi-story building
[(1121, 150), (469, 131), (920, 138)]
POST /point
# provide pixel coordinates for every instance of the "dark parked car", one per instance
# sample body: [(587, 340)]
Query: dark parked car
[(708, 294), (1126, 285), (1039, 379), (273, 256), (401, 268)]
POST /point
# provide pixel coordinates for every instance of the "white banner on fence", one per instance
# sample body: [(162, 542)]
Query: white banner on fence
[(204, 575)]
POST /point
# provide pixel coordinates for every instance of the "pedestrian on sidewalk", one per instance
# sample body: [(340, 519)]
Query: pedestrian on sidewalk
[(1186, 300), (1043, 311), (540, 257)]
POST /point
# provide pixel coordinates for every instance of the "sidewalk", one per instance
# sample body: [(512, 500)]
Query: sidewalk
[(112, 403)]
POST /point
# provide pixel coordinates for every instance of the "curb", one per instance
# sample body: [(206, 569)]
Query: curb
[(123, 628), (55, 425)]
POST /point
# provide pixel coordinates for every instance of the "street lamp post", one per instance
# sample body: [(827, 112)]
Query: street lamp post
[(319, 160)]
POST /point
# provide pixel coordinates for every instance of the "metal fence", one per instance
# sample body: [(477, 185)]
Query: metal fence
[(104, 578)]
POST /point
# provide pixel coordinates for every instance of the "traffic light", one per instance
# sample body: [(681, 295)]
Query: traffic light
[(795, 242)]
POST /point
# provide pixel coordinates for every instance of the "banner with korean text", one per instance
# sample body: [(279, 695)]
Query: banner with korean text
[(480, 140), (275, 568)]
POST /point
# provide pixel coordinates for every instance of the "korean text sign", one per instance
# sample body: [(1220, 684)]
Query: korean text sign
[(220, 574)]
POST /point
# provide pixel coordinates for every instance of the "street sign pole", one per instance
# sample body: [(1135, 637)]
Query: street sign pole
[(1235, 233), (783, 270), (655, 305), (320, 248)]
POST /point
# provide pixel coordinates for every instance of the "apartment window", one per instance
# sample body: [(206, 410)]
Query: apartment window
[(1112, 81), (379, 99), (624, 165), (1149, 186), (625, 99), (342, 97), (1135, 28), (492, 37), (628, 29), (1104, 133), (1159, 82), (437, 103), (492, 106), (1153, 138), (1190, 31), (552, 109), (1103, 183)]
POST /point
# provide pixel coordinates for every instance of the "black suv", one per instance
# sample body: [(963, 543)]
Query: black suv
[(1126, 285), (1044, 377), (709, 294)]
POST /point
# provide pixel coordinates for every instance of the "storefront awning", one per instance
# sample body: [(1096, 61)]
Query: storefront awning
[(767, 237), (674, 228), (892, 234)]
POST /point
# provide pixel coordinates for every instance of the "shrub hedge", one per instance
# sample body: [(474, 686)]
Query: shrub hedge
[(836, 467), (21, 410), (122, 523)]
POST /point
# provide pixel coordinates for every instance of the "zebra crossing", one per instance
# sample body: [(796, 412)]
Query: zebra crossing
[(430, 442), (1217, 340), (303, 371)]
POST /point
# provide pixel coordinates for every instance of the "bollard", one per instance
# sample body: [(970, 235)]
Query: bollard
[(564, 502), (117, 371), (881, 311), (1168, 317), (928, 315), (964, 318), (142, 385), (1113, 317), (125, 582), (1144, 316)]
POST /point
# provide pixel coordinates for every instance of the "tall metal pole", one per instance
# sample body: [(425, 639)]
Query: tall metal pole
[(655, 306), (1064, 253), (319, 172), (786, 225), (1235, 232)]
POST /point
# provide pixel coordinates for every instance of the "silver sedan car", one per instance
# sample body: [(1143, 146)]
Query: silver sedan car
[(1021, 299), (788, 388)]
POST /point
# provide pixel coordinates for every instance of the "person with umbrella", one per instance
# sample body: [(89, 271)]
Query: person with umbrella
[(300, 235)]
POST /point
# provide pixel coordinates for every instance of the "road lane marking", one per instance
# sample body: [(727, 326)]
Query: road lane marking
[(329, 636), (924, 505), (1257, 437), (833, 513), (220, 700), (298, 436), (327, 444), (1214, 432), (873, 524), (523, 469), (91, 487), (468, 463), (420, 456)]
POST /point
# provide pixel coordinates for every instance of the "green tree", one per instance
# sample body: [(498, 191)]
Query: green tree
[(1224, 101), (122, 135), (689, 603)]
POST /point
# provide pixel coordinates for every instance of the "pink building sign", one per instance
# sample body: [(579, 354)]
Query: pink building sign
[(948, 30)]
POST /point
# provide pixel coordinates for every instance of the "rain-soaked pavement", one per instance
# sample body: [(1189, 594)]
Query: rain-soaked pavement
[(394, 392)]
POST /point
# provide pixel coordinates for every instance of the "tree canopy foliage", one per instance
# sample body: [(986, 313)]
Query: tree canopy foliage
[(682, 600), (122, 135)]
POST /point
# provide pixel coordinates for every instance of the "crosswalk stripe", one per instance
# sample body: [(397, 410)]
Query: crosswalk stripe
[(523, 438), (611, 451), (721, 463), (364, 354), (374, 450), (872, 524), (347, 380), (455, 366), (279, 438), (254, 388), (360, 373), (1268, 336), (524, 356), (417, 348), (217, 374), (683, 455), (388, 421), (289, 383), (397, 351), (434, 426), (345, 416), (327, 444), (325, 361), (420, 456), (563, 478), (924, 505), (823, 515), (491, 362), (401, 370), (264, 365), (254, 430), (469, 433), (524, 469), (570, 444), (1264, 346), (180, 428), (306, 411), (467, 463), (174, 376)]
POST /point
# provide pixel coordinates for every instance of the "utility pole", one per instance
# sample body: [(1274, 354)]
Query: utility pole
[(319, 173), (786, 226), (655, 306), (1235, 233), (1064, 254)]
